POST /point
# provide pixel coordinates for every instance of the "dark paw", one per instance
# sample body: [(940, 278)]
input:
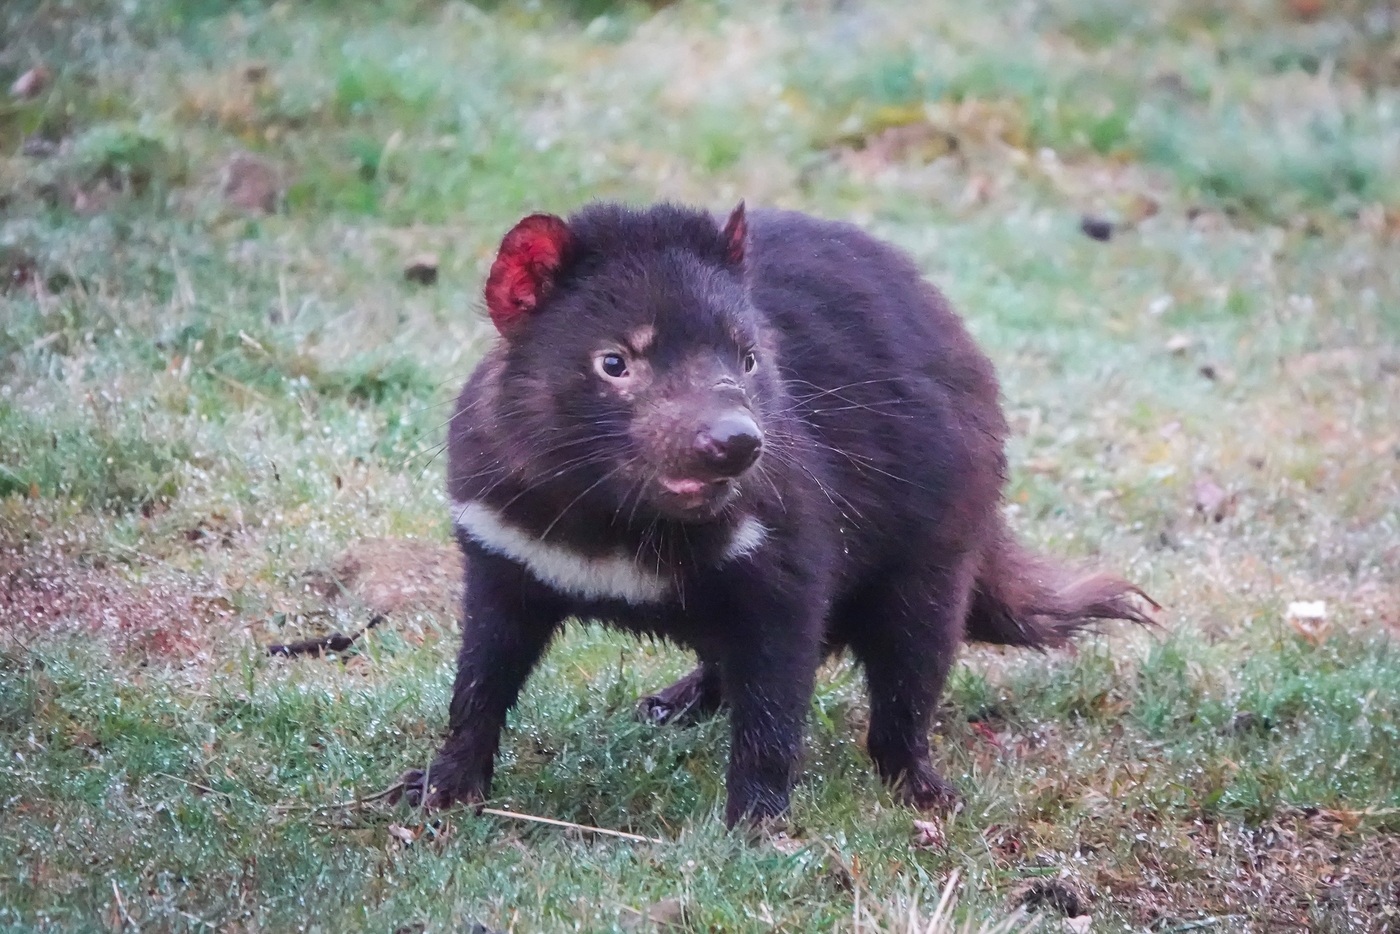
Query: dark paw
[(655, 708), (409, 787), (692, 698), (775, 830), (440, 792), (923, 788)]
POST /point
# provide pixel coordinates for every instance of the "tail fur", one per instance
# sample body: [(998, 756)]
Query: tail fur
[(1026, 600)]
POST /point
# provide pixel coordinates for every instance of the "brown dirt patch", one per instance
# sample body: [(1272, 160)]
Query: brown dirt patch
[(1307, 872), (390, 576), (161, 614)]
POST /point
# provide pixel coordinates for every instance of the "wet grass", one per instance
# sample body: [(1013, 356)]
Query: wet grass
[(204, 405)]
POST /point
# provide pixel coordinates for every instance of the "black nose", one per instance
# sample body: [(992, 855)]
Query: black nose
[(730, 444)]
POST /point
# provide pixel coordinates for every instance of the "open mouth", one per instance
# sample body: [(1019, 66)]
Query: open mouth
[(689, 494)]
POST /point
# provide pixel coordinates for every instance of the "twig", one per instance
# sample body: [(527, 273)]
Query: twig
[(342, 805), (241, 387), (204, 788), (945, 902), (571, 825), (335, 642), (1213, 921), (121, 906), (195, 918), (497, 812)]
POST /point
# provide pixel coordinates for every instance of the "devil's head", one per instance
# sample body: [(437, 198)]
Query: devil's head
[(636, 370)]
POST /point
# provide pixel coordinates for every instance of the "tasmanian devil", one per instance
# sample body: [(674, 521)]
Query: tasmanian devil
[(767, 441)]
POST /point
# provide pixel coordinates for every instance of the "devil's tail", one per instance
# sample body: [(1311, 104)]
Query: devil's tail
[(1024, 599)]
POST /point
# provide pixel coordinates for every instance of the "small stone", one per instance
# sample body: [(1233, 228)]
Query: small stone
[(32, 83), (928, 835), (422, 270), (1096, 228), (1056, 896), (1179, 344), (1247, 721), (38, 147)]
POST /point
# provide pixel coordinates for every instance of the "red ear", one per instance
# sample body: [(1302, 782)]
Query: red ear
[(736, 236), (524, 270)]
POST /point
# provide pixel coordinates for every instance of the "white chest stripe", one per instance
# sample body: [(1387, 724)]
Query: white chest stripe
[(594, 578), (748, 538), (607, 577)]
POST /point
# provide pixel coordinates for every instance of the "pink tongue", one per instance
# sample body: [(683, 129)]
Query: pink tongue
[(684, 486)]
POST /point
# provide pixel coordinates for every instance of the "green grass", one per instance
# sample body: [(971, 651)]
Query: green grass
[(203, 409)]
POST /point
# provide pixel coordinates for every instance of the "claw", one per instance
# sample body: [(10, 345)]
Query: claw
[(434, 797), (658, 710), (689, 699), (923, 788)]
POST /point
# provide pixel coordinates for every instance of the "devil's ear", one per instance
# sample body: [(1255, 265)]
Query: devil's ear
[(525, 269), (736, 236)]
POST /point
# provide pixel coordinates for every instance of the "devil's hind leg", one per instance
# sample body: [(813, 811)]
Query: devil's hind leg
[(695, 697)]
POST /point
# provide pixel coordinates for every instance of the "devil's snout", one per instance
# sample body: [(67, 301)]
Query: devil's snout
[(729, 444)]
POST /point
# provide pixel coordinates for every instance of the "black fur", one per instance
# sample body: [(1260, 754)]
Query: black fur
[(879, 482)]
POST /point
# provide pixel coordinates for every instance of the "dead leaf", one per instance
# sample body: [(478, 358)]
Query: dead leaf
[(666, 914), (422, 269), (93, 199), (32, 83), (1306, 9), (1212, 502), (250, 183), (986, 732), (928, 835), (1309, 618), (403, 834), (1143, 206), (786, 844), (979, 190)]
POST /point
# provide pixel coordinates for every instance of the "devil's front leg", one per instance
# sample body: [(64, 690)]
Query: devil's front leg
[(507, 623), (767, 659)]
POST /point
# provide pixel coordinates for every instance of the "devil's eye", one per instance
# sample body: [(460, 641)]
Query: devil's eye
[(750, 362), (612, 365)]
